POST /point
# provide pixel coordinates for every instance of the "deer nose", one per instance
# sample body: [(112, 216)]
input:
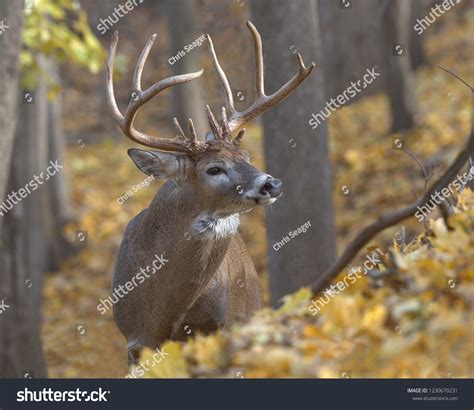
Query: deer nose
[(271, 187)]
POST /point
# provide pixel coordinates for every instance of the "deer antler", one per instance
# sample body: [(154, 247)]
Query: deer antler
[(181, 143), (222, 130), (263, 102)]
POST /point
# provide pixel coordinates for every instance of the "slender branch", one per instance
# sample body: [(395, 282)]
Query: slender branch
[(392, 218), (456, 76), (420, 164), (427, 180)]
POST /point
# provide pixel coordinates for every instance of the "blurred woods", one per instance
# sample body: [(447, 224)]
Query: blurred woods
[(58, 244)]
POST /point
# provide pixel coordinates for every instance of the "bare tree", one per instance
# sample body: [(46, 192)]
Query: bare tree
[(20, 289), (24, 246), (294, 152), (416, 49), (372, 33), (399, 78), (58, 211), (11, 15), (32, 241), (351, 43)]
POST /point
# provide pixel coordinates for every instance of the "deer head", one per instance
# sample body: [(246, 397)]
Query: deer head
[(216, 169)]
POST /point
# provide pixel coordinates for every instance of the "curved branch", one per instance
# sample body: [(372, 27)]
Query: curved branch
[(392, 218)]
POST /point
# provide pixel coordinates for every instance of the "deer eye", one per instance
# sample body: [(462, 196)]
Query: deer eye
[(215, 171)]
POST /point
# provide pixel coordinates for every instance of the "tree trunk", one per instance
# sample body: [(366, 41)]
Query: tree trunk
[(187, 100), (397, 70), (23, 253), (59, 209), (366, 35), (351, 40), (294, 152), (10, 45), (416, 50), (33, 242), (20, 287)]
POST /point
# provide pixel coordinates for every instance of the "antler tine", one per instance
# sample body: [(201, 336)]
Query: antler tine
[(262, 101), (224, 115), (192, 132), (137, 74), (181, 134), (229, 99), (140, 97), (238, 139), (226, 133), (258, 51), (111, 102), (215, 127), (161, 85)]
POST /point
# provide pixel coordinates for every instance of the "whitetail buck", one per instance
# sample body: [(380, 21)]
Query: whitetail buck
[(209, 280)]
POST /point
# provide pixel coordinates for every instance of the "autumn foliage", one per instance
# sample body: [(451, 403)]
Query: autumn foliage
[(414, 320)]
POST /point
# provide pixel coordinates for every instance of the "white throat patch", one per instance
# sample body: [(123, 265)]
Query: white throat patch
[(207, 226)]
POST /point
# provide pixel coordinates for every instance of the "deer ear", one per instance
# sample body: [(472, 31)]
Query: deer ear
[(163, 165)]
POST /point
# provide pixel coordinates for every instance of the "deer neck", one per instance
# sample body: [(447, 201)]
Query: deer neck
[(210, 226), (194, 242)]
